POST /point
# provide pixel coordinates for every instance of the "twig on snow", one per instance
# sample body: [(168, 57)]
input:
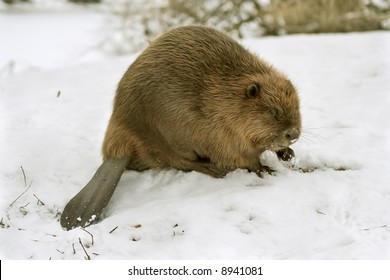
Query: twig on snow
[(24, 206), (24, 176), (87, 257), (319, 212), (25, 184), (21, 194), (39, 201), (113, 229), (23, 210), (89, 234), (2, 224), (367, 229)]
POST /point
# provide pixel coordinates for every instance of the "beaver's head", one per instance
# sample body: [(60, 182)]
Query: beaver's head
[(272, 118)]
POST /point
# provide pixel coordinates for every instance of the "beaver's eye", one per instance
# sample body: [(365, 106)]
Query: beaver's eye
[(273, 113), (253, 90)]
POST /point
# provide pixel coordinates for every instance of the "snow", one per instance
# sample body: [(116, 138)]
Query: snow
[(333, 202), (50, 38)]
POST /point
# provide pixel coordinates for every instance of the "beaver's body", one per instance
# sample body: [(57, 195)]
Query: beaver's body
[(193, 100), (186, 103)]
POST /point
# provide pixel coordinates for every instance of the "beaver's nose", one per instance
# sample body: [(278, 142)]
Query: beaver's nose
[(291, 134)]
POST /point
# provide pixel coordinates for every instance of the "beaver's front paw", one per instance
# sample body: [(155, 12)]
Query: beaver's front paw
[(285, 154), (264, 169)]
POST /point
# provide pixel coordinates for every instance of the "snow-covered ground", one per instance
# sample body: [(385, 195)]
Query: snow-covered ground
[(55, 101)]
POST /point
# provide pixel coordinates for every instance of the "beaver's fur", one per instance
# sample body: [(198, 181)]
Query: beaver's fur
[(195, 99)]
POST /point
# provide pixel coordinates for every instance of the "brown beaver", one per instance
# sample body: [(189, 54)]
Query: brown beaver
[(195, 99)]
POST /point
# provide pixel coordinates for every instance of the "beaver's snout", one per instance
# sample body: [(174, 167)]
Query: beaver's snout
[(292, 134)]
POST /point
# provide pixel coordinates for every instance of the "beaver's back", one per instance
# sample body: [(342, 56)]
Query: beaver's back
[(182, 64)]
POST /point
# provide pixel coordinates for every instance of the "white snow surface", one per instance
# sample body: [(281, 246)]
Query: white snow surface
[(53, 117)]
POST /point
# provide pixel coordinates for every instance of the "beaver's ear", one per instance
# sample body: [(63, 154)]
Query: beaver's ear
[(253, 90)]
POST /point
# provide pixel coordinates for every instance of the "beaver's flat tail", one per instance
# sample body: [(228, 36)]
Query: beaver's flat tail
[(86, 206)]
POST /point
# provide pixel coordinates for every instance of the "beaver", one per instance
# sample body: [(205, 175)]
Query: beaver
[(193, 100)]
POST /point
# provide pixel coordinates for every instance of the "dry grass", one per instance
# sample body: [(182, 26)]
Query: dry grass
[(286, 16), (321, 16), (141, 21)]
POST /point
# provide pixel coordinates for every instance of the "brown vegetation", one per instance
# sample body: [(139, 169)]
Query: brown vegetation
[(142, 21), (321, 16), (285, 16)]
